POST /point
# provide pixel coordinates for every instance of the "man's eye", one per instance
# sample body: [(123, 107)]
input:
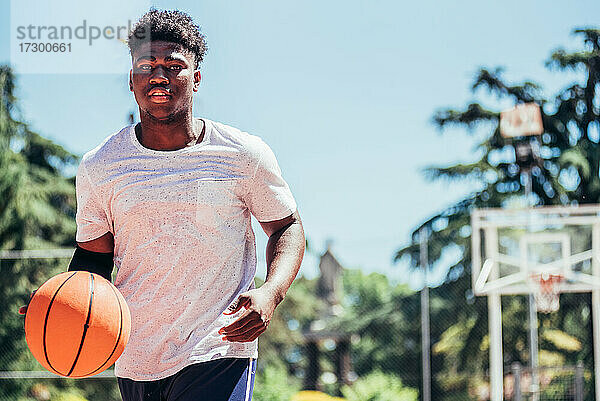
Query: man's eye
[(144, 67), (176, 67)]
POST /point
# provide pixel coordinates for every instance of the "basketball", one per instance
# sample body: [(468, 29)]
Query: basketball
[(77, 324)]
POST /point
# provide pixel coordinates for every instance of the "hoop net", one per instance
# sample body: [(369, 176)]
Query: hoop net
[(546, 291)]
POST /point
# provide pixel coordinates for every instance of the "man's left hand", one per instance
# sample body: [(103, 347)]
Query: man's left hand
[(260, 305)]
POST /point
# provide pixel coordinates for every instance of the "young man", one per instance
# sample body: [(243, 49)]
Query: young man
[(169, 200)]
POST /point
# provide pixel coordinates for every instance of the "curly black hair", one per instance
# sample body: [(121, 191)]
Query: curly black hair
[(171, 26)]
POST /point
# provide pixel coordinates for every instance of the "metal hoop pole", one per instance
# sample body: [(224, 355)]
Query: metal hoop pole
[(533, 320), (425, 331), (595, 306), (495, 323)]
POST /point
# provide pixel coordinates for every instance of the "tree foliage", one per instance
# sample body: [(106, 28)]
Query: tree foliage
[(567, 175), (380, 314), (37, 209), (378, 386)]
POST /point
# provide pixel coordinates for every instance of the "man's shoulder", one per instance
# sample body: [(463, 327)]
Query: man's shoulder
[(111, 146), (247, 143)]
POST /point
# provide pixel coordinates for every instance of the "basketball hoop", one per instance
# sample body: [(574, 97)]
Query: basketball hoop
[(546, 291)]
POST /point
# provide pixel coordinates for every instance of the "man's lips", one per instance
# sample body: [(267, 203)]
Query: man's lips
[(159, 95)]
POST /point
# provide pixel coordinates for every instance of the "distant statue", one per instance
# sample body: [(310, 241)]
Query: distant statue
[(328, 286), (329, 289)]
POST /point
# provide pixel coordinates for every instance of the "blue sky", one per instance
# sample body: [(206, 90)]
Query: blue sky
[(343, 91)]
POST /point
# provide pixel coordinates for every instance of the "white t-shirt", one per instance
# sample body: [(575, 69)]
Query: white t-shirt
[(184, 245)]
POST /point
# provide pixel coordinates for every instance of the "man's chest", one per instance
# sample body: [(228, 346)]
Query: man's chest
[(205, 193)]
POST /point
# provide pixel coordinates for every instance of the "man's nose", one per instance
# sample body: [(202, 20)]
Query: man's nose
[(158, 76)]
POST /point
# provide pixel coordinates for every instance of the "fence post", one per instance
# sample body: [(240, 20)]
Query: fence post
[(579, 381), (516, 371), (313, 371)]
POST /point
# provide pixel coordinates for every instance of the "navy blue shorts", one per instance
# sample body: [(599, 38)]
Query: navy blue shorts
[(227, 379)]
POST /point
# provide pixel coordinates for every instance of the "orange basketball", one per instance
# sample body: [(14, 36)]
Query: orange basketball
[(77, 324)]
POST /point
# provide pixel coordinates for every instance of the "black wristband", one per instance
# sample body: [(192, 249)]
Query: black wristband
[(93, 262)]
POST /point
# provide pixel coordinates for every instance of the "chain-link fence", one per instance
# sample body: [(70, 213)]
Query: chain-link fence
[(380, 329), (546, 383), (367, 345), (44, 386)]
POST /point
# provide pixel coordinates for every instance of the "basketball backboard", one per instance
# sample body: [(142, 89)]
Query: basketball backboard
[(524, 119), (511, 248)]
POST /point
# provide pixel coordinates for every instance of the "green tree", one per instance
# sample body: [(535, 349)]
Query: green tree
[(380, 317), (37, 209), (273, 384), (282, 345), (568, 174), (378, 386), (376, 313)]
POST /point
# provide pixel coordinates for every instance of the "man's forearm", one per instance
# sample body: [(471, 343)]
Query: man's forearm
[(285, 250)]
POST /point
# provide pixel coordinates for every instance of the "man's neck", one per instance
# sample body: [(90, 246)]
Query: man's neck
[(168, 135)]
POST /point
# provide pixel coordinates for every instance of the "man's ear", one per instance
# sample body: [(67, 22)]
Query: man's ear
[(131, 80), (197, 79)]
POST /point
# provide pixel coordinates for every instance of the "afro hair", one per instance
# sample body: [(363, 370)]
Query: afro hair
[(170, 26)]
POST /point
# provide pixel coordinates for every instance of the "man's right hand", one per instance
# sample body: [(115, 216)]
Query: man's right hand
[(23, 309)]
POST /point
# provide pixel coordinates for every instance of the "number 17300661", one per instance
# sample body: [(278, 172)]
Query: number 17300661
[(44, 47)]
